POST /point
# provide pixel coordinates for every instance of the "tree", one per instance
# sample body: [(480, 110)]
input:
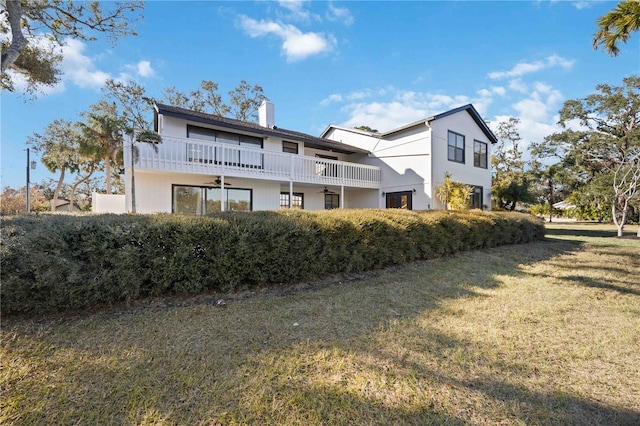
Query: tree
[(509, 183), (59, 146), (617, 26), (89, 164), (135, 107), (245, 100), (608, 141), (454, 195), (38, 29), (14, 201), (552, 183), (103, 134), (626, 186), (204, 99), (366, 129)]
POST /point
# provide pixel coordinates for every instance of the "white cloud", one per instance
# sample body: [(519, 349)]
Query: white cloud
[(400, 106), (296, 11), (331, 99), (144, 69), (523, 68), (79, 68), (296, 45), (517, 85), (341, 14), (82, 70), (499, 90)]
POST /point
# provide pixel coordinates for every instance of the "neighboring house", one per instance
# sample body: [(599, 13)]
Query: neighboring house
[(62, 205), (209, 163)]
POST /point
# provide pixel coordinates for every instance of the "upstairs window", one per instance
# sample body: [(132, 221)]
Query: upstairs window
[(290, 147), (456, 147), (480, 154)]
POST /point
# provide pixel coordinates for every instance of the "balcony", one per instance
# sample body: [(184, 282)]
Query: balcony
[(182, 155)]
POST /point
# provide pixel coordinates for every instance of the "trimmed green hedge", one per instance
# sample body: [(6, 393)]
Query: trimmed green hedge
[(51, 262)]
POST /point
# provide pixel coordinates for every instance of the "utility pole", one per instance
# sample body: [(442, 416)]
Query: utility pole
[(28, 192)]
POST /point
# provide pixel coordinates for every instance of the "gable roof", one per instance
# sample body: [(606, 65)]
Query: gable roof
[(425, 121), (230, 123), (476, 117)]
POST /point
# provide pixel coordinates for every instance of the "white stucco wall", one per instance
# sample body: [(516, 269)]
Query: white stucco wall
[(154, 190), (404, 158), (108, 203), (463, 124)]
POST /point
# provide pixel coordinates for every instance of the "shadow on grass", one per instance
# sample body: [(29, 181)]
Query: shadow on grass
[(581, 232), (260, 360)]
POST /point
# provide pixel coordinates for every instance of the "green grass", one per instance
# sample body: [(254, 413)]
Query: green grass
[(544, 333)]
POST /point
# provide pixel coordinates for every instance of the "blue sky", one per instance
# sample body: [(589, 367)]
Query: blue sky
[(381, 64)]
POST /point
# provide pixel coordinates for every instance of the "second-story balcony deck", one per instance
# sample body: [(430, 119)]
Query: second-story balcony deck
[(182, 155)]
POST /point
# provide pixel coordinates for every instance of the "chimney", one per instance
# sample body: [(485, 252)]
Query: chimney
[(267, 114)]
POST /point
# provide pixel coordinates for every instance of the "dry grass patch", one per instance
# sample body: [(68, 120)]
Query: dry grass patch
[(545, 333)]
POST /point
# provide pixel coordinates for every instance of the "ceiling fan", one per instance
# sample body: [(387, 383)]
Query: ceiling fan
[(326, 191), (217, 181)]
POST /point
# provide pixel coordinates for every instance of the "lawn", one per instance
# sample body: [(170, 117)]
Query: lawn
[(544, 333)]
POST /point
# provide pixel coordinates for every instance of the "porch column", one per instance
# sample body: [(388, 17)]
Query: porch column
[(222, 200), (290, 194), (342, 196)]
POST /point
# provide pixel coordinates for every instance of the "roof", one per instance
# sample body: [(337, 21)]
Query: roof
[(425, 121), (230, 123), (476, 117)]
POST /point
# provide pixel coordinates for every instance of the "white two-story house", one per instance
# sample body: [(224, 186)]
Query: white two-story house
[(209, 163)]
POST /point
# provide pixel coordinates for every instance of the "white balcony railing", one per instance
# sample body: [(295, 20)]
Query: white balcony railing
[(194, 156)]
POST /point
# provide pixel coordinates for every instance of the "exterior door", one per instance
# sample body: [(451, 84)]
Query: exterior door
[(399, 200)]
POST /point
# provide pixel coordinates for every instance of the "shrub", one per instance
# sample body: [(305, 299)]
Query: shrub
[(52, 262)]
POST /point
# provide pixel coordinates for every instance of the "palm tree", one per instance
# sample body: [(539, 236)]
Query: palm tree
[(103, 133), (58, 145), (617, 25)]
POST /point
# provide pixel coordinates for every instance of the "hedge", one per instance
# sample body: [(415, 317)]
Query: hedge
[(55, 262)]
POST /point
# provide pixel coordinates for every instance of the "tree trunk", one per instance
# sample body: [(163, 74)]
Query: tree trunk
[(75, 186), (18, 41), (107, 171), (619, 222), (56, 193)]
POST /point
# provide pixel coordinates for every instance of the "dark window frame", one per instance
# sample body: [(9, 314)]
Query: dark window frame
[(477, 197), (288, 147), (478, 155), (390, 195), (456, 149), (202, 187), (329, 201), (284, 202)]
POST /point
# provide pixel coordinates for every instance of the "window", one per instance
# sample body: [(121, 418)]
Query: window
[(456, 147), (297, 202), (399, 200), (290, 147), (476, 198), (205, 153), (480, 154), (200, 200), (331, 201)]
